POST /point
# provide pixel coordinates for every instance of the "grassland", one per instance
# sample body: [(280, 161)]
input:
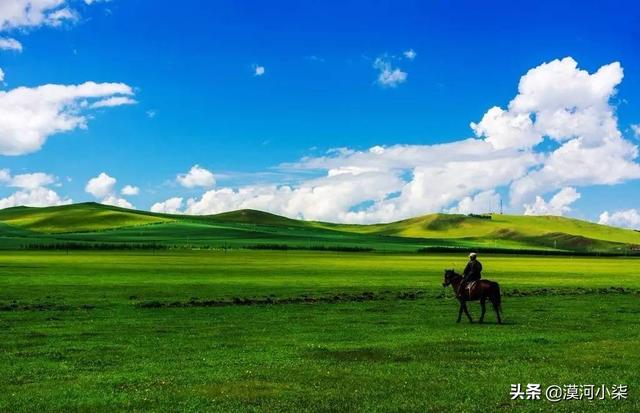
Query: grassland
[(194, 318), (90, 224), (180, 330)]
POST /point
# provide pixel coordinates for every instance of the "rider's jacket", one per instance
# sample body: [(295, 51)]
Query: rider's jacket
[(473, 271)]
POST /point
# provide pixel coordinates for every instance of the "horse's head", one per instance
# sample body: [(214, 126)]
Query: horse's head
[(449, 275)]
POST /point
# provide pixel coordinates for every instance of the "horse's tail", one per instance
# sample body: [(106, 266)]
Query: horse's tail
[(497, 297)]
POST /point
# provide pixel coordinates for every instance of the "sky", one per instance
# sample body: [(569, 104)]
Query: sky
[(350, 111)]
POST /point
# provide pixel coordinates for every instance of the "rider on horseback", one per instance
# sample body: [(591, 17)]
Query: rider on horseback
[(472, 272)]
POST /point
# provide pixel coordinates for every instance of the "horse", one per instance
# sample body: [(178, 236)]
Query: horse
[(480, 290)]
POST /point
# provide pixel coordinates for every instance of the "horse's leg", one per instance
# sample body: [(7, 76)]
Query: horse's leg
[(460, 311), (483, 299), (496, 307), (466, 311)]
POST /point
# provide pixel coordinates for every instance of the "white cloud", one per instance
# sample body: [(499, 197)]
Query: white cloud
[(560, 102), (328, 198), (28, 116), (101, 186), (410, 54), (7, 43), (636, 130), (388, 75), (130, 190), (170, 206), (36, 197), (629, 218), (557, 102), (33, 190), (432, 177), (258, 70), (151, 113), (26, 181), (21, 15), (113, 101), (559, 204), (34, 13), (31, 180), (507, 130), (196, 177), (481, 203), (116, 201)]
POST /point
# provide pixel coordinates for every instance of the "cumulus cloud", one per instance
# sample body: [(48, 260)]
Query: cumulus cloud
[(26, 181), (196, 177), (32, 191), (7, 43), (258, 70), (170, 206), (629, 218), (31, 180), (559, 204), (636, 130), (100, 186), (431, 177), (562, 103), (328, 198), (116, 201), (130, 190), (36, 197), (557, 103), (103, 186), (28, 116), (507, 130), (388, 76), (481, 203), (1, 75)]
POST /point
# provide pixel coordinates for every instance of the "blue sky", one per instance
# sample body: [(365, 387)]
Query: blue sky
[(192, 72)]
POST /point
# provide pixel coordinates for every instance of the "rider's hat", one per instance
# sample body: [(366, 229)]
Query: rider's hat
[(472, 255)]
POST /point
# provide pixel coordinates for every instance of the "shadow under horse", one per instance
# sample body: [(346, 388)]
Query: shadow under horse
[(480, 290)]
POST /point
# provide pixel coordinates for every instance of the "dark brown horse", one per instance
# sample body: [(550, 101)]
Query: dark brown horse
[(481, 290)]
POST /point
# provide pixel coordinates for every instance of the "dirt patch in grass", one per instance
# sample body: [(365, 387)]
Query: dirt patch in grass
[(271, 300), (338, 298), (335, 298), (45, 306), (569, 291)]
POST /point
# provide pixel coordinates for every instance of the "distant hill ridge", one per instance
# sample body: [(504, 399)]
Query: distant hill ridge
[(243, 227)]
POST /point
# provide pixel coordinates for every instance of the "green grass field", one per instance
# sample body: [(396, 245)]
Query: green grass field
[(186, 330)]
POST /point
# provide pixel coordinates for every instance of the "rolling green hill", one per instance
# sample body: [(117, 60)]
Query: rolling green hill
[(83, 217), (91, 224), (516, 227)]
